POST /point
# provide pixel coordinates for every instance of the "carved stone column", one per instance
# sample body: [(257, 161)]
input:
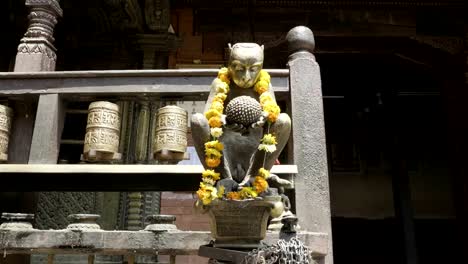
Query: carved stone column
[(36, 51)]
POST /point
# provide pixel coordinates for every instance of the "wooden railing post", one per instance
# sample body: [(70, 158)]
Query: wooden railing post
[(308, 131), (48, 127)]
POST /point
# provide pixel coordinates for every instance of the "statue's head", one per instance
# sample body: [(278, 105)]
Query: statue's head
[(245, 63)]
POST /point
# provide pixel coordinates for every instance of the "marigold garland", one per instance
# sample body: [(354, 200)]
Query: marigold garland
[(213, 149)]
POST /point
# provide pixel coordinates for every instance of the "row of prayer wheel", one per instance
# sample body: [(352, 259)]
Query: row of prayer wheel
[(103, 132)]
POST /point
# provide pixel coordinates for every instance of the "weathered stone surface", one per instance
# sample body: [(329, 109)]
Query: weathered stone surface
[(173, 242), (310, 154)]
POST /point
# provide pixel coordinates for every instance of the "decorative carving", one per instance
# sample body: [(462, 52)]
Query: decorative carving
[(171, 129), (452, 45), (38, 39), (37, 48), (160, 223), (102, 130), (16, 221), (54, 208), (83, 222), (239, 224), (134, 218), (6, 114), (157, 15), (122, 14)]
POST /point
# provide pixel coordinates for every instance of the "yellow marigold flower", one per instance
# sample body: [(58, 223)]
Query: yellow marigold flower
[(221, 191), (264, 75), (212, 162), (222, 87), (221, 96), (247, 192), (207, 193), (212, 113), (208, 181), (218, 106), (224, 78), (215, 121), (223, 70), (263, 173), (233, 196), (265, 98), (211, 152), (214, 144), (210, 174), (216, 132), (269, 139), (260, 184)]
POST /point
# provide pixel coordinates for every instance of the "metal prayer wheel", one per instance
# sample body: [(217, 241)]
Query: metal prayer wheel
[(171, 132), (6, 114), (102, 129)]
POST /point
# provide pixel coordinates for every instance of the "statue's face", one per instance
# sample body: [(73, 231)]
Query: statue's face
[(246, 61)]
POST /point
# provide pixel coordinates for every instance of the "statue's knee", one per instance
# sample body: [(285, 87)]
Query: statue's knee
[(284, 120), (198, 120)]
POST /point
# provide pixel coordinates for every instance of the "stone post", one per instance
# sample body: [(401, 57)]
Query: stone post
[(308, 128), (36, 51)]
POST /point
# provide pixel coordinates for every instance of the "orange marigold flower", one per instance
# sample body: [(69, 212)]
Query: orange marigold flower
[(233, 196), (260, 184), (215, 121), (212, 162), (261, 86)]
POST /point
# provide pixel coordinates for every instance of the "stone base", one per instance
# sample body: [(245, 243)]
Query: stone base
[(3, 157), (171, 156)]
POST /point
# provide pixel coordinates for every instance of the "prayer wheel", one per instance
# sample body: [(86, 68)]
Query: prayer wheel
[(171, 131), (6, 114), (103, 128)]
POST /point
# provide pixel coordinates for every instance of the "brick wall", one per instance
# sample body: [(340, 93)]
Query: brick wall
[(181, 204)]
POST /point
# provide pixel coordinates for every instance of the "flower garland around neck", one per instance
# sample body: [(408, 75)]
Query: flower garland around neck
[(213, 148)]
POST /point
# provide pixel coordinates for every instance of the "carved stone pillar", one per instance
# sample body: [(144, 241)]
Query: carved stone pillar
[(312, 189), (36, 51)]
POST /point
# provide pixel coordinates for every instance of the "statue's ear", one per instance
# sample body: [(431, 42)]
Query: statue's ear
[(230, 46), (263, 47)]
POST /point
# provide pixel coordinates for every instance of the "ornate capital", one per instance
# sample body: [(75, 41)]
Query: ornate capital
[(42, 20)]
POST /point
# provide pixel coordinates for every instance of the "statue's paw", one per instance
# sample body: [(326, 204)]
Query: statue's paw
[(276, 181), (229, 185), (239, 128)]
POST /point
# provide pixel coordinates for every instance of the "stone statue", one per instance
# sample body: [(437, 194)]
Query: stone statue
[(241, 158)]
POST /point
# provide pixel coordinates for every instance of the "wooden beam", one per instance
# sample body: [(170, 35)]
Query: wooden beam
[(108, 177), (131, 83), (58, 169)]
